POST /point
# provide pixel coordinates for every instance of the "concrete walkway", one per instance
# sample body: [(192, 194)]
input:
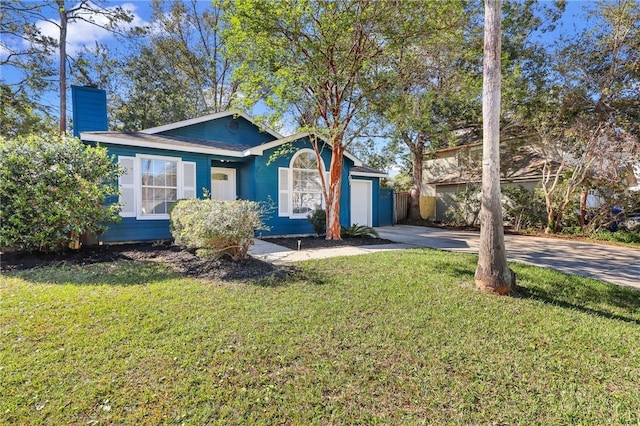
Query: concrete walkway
[(617, 265), (274, 253)]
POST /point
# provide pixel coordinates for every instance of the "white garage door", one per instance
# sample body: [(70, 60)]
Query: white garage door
[(361, 197)]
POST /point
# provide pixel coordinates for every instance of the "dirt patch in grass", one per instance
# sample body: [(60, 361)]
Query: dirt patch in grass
[(183, 261), (307, 243)]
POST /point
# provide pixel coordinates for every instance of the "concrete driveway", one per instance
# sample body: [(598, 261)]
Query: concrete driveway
[(617, 265)]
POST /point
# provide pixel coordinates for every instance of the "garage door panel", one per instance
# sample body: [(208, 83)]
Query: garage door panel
[(361, 202)]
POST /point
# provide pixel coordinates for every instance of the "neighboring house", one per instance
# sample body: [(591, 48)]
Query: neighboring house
[(230, 157), (457, 168)]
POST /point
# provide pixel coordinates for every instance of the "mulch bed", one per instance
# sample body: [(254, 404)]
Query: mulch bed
[(183, 261), (307, 243)]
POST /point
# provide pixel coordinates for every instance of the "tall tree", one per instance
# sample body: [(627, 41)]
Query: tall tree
[(587, 116), (317, 58), (174, 69), (492, 273), (190, 37), (433, 85), (19, 116), (23, 45), (23, 22)]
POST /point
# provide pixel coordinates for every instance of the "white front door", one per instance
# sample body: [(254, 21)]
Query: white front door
[(361, 200), (223, 184)]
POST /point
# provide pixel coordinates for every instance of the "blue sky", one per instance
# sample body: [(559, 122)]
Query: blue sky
[(80, 34)]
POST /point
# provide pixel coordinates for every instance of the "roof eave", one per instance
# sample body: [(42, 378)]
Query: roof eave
[(369, 174), (259, 150), (88, 136)]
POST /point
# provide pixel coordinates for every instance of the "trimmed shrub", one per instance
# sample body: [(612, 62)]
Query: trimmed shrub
[(215, 228), (52, 190), (359, 231), (318, 219)]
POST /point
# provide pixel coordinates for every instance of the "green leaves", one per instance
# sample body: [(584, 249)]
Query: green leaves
[(215, 227), (52, 190)]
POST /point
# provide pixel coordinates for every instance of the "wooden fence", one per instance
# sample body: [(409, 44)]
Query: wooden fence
[(400, 206)]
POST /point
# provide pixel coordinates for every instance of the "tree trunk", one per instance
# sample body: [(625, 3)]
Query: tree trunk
[(63, 66), (333, 199), (416, 183), (557, 223), (583, 208), (550, 221), (492, 273)]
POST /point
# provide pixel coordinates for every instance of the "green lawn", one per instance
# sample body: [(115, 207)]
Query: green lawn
[(391, 338)]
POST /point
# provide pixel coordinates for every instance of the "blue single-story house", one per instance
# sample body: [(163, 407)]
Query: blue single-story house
[(230, 157)]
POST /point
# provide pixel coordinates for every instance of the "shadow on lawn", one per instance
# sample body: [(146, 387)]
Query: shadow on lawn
[(577, 293), (558, 289), (291, 274), (120, 273)]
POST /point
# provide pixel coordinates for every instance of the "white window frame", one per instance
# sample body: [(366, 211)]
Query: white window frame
[(138, 184), (181, 192), (127, 163), (286, 193)]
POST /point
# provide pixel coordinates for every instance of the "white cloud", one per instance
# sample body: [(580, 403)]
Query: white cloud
[(395, 170), (4, 51), (81, 33)]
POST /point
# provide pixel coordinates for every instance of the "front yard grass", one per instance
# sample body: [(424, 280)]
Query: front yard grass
[(391, 338)]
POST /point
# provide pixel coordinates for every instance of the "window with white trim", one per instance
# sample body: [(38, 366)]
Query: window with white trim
[(159, 185), (300, 186), (150, 184)]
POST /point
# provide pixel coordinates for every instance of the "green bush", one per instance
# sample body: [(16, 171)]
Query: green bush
[(215, 228), (621, 236), (359, 231), (523, 209), (318, 219), (52, 190), (464, 208)]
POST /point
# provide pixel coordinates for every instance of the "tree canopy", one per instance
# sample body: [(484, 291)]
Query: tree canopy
[(317, 59)]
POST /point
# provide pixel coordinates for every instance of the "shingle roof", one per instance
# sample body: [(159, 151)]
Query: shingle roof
[(173, 140), (185, 144), (366, 169)]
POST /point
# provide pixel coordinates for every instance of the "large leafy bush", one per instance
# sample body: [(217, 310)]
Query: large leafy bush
[(52, 190), (215, 227)]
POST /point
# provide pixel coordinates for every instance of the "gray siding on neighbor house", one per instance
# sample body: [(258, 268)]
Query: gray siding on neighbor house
[(444, 194)]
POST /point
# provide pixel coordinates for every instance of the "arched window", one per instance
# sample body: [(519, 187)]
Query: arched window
[(300, 186), (306, 186)]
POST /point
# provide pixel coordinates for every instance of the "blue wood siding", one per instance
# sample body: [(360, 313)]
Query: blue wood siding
[(385, 207), (224, 130), (246, 180), (131, 229), (266, 189), (257, 179), (89, 109)]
